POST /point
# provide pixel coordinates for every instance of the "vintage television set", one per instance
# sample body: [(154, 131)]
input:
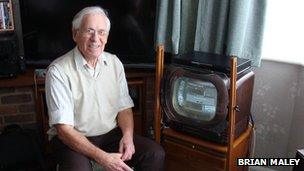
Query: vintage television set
[(195, 95)]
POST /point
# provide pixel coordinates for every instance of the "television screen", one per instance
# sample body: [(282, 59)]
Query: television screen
[(194, 98), (46, 27)]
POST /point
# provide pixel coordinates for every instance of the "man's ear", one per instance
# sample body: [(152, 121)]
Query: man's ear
[(74, 34)]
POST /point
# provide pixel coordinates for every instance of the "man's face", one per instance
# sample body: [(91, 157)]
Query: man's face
[(92, 35)]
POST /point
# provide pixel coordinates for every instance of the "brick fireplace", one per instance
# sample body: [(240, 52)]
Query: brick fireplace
[(17, 106)]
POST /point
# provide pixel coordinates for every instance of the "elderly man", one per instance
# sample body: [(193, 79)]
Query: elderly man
[(89, 105)]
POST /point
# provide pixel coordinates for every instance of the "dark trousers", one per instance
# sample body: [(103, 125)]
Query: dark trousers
[(149, 156)]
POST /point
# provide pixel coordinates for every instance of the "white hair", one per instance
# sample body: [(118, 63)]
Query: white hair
[(89, 10)]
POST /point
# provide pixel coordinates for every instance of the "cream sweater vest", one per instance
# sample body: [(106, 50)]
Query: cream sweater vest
[(95, 99)]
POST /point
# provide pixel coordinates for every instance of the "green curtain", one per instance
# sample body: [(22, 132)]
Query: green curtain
[(232, 27)]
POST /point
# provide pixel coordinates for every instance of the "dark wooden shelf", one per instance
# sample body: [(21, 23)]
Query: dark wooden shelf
[(25, 79)]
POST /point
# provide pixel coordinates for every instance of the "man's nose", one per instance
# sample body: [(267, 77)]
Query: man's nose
[(94, 36)]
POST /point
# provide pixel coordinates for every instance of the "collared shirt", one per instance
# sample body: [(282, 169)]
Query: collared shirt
[(88, 104), (93, 71)]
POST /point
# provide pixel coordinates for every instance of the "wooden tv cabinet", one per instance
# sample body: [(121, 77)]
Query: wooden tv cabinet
[(185, 152)]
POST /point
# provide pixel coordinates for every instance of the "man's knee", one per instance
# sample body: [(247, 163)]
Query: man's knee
[(153, 150), (69, 160), (149, 155), (158, 151)]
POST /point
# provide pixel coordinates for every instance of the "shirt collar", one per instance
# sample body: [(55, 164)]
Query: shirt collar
[(81, 62)]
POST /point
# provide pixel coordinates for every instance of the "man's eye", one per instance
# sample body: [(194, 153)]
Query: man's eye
[(90, 31), (102, 32)]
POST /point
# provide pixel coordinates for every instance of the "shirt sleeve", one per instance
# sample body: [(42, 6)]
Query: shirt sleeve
[(58, 98), (125, 101)]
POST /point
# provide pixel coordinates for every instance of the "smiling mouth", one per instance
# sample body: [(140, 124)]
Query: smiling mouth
[(94, 46)]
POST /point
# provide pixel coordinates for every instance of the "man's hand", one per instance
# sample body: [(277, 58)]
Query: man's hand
[(125, 122), (113, 162), (126, 147)]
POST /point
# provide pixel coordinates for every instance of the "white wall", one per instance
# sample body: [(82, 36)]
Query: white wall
[(277, 109), (296, 138)]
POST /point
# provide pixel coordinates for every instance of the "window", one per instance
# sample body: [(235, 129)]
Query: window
[(284, 31)]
